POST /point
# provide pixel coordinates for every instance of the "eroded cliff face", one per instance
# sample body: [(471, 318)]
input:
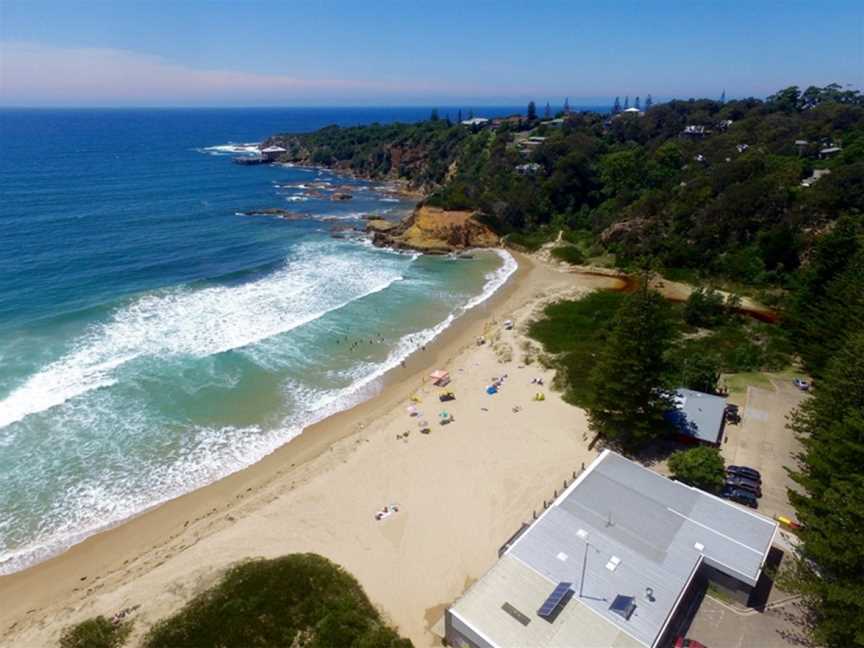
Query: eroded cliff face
[(394, 162), (434, 231)]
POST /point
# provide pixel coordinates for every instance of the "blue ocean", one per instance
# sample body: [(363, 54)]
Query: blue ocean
[(154, 339)]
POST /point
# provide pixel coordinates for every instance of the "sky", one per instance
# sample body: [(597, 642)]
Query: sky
[(329, 52)]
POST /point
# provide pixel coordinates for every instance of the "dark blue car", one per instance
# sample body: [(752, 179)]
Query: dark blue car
[(744, 471), (739, 495)]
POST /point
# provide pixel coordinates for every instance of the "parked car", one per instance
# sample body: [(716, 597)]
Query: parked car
[(737, 481), (681, 642), (744, 471), (732, 415), (801, 384), (739, 495)]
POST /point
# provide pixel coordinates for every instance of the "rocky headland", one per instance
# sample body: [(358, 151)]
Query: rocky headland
[(433, 231)]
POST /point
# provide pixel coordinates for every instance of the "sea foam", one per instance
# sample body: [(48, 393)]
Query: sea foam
[(201, 322), (111, 494)]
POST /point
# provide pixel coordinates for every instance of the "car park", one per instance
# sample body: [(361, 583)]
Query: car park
[(736, 481), (744, 471), (739, 495)]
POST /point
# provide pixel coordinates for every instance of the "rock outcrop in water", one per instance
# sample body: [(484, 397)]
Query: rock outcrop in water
[(433, 230), (276, 212)]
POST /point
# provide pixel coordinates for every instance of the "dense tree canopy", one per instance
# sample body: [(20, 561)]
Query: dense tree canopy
[(830, 498), (724, 197)]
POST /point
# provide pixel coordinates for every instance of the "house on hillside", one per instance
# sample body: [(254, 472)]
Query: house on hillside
[(695, 131), (272, 153), (512, 120), (829, 152), (817, 175), (621, 559), (531, 168), (632, 112), (698, 417), (478, 122)]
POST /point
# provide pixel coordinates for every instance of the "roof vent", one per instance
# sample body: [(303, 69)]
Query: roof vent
[(613, 563), (582, 533), (699, 546), (516, 614), (562, 556)]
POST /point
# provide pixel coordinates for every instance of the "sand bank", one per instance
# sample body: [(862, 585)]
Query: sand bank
[(462, 490)]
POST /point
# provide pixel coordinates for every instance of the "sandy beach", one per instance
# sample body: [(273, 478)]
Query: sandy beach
[(462, 490)]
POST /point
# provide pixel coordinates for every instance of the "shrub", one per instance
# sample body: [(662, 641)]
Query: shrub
[(295, 600), (530, 241), (702, 467), (569, 254), (704, 308), (97, 632)]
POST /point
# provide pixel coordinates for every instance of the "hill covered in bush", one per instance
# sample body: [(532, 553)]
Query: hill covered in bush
[(727, 188)]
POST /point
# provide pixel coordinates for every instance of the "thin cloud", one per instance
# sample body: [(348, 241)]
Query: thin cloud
[(37, 74)]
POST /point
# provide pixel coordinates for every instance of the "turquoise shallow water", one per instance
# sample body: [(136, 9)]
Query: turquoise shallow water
[(152, 340)]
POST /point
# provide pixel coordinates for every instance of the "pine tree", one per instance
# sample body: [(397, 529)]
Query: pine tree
[(532, 111), (628, 399), (830, 505), (434, 116), (547, 113), (626, 102), (567, 106), (829, 303), (637, 104), (648, 103), (616, 107), (723, 96)]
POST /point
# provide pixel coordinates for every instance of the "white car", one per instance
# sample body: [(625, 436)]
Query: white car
[(801, 384)]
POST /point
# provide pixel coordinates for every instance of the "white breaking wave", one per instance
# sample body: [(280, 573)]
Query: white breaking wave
[(199, 323), (231, 148), (213, 453)]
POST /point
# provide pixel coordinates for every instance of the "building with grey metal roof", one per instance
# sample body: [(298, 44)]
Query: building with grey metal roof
[(699, 416), (630, 542)]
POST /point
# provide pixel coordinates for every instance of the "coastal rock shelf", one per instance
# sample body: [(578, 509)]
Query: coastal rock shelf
[(275, 212)]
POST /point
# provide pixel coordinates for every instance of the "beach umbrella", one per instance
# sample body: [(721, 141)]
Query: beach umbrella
[(412, 411)]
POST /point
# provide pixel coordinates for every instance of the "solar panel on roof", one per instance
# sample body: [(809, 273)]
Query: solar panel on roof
[(554, 600), (623, 606)]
